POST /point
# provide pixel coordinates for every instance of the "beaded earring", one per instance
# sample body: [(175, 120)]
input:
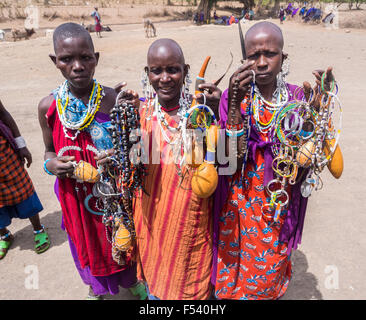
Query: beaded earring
[(147, 89), (185, 97), (148, 92), (285, 70)]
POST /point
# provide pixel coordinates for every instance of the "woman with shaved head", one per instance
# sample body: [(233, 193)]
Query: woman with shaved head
[(260, 217), (173, 225), (75, 124)]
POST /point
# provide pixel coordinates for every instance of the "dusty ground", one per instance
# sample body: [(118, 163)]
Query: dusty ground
[(330, 261)]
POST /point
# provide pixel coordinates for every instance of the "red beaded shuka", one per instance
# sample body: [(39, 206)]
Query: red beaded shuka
[(85, 229)]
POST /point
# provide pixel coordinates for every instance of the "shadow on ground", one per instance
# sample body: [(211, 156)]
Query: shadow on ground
[(24, 238), (303, 285)]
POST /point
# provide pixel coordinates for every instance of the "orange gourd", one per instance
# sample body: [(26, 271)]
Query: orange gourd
[(122, 238), (205, 178), (305, 153), (335, 165), (84, 171)]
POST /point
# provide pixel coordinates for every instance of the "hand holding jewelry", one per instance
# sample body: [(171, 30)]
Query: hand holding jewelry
[(241, 81), (60, 166)]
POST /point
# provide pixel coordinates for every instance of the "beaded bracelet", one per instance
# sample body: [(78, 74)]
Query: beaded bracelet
[(45, 168), (238, 126), (231, 133), (322, 83)]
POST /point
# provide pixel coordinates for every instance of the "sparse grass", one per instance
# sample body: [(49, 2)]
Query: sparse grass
[(19, 13), (184, 15), (156, 13)]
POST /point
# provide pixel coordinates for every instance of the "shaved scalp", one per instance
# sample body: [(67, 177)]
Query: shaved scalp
[(71, 30), (164, 45), (267, 27)]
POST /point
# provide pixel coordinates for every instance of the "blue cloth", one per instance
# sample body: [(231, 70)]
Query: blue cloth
[(26, 209), (96, 16), (101, 135), (100, 131)]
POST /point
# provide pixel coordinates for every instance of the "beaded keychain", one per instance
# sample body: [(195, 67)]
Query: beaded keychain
[(122, 178), (198, 117)]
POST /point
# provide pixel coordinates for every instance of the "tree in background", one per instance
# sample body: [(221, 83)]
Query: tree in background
[(248, 4), (269, 8), (206, 6)]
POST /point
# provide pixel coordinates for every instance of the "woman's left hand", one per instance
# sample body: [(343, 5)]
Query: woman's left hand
[(329, 78), (212, 94), (129, 96)]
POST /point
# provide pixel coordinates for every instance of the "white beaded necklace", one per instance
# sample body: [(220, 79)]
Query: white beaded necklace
[(95, 98), (162, 121)]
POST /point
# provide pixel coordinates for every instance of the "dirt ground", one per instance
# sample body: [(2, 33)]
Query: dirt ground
[(329, 264)]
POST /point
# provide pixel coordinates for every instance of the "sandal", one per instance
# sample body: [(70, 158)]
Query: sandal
[(92, 297), (41, 240), (5, 244), (139, 289)]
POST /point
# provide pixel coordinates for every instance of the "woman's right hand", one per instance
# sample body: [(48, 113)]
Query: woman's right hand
[(61, 167), (103, 158), (243, 76), (128, 96)]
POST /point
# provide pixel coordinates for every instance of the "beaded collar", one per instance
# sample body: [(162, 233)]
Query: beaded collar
[(72, 112), (281, 98)]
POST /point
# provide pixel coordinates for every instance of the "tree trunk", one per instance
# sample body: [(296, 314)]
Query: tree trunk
[(206, 6), (275, 9)]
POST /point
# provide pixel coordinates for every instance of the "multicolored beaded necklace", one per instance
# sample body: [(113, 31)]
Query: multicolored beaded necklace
[(73, 113)]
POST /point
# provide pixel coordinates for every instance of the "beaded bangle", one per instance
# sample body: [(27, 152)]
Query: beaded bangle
[(45, 168), (237, 126), (40, 230), (237, 134), (322, 83)]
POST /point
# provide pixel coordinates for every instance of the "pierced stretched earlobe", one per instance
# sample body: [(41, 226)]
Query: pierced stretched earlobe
[(147, 89), (285, 70), (187, 68)]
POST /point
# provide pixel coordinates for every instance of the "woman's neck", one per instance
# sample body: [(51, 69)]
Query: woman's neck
[(267, 91), (82, 93), (171, 106)]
